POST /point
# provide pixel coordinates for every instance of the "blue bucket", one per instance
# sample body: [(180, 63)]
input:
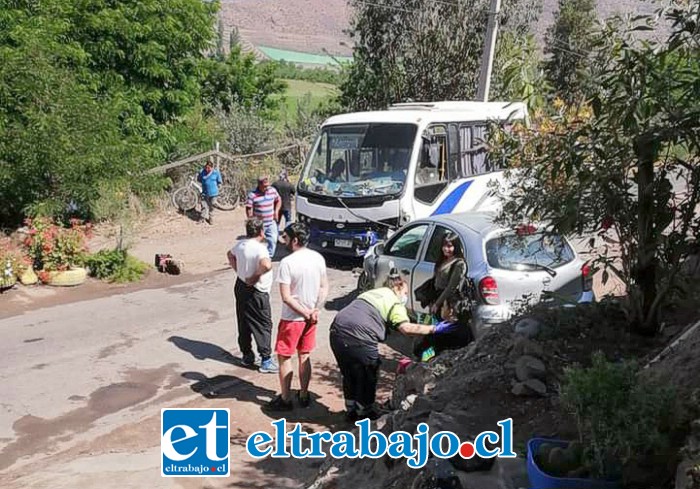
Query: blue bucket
[(540, 480)]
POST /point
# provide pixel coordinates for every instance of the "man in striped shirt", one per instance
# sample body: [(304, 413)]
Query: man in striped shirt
[(264, 203)]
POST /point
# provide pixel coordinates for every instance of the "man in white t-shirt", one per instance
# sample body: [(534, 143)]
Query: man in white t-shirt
[(251, 261), (303, 287)]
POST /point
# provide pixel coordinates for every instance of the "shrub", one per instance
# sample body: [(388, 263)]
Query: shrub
[(52, 247), (116, 266), (621, 416)]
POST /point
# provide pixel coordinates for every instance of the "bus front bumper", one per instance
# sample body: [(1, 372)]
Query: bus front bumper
[(343, 243)]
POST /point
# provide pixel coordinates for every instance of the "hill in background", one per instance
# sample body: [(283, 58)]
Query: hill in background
[(317, 26)]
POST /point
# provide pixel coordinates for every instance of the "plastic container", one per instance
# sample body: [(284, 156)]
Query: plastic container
[(540, 480)]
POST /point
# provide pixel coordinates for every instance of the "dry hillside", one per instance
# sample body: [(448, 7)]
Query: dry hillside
[(315, 26)]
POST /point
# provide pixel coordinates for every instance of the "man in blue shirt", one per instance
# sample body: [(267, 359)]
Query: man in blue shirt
[(210, 178)]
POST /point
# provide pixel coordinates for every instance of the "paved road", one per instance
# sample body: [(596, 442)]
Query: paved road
[(84, 384)]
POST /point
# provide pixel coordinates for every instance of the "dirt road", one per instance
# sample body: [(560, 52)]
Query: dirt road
[(86, 373)]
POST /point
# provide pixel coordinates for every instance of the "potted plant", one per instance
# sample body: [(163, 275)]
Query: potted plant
[(622, 418), (57, 251), (560, 464), (13, 264)]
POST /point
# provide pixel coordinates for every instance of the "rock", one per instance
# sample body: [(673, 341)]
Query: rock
[(437, 474), (530, 387), (527, 367), (511, 473), (525, 346), (478, 480), (528, 327), (474, 464), (422, 407), (413, 381), (456, 423), (29, 277)]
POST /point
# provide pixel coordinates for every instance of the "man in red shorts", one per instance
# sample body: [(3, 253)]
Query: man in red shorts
[(303, 287)]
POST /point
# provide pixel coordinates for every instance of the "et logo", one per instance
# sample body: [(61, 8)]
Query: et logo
[(195, 442)]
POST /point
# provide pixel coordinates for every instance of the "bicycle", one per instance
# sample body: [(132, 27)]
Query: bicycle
[(189, 197)]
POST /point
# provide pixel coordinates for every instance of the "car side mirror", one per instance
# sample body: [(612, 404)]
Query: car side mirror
[(379, 249)]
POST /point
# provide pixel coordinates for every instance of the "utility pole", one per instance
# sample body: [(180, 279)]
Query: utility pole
[(482, 93)]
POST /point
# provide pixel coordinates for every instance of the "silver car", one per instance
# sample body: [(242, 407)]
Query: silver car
[(509, 268)]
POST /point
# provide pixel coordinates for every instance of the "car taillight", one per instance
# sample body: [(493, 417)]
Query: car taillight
[(488, 288), (586, 277)]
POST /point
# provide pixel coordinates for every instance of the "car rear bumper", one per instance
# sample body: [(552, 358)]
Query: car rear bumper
[(487, 316)]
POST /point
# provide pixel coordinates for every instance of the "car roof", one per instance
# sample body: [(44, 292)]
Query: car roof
[(479, 222)]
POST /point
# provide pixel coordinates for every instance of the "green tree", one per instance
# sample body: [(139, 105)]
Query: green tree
[(421, 50), (568, 43), (92, 91), (625, 169), (147, 51), (239, 80)]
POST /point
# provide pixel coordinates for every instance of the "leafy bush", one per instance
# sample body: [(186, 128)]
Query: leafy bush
[(53, 247), (621, 417), (116, 266)]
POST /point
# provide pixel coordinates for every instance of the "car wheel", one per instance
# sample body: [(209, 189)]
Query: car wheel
[(364, 283)]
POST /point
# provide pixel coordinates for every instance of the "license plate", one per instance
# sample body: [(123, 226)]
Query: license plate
[(343, 243)]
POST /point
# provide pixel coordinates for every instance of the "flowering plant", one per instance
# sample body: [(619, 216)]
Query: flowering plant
[(52, 247), (13, 262)]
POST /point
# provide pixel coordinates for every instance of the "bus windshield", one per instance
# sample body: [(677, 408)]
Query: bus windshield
[(360, 160)]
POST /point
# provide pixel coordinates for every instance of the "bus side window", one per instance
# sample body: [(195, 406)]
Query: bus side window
[(473, 159)]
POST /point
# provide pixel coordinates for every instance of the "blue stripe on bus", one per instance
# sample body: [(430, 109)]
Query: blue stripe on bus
[(450, 202)]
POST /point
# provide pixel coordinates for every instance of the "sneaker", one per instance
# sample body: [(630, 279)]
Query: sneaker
[(279, 404), (268, 366), (304, 401), (248, 360)]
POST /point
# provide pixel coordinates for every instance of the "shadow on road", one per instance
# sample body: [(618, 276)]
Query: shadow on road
[(338, 303), (202, 350), (228, 387)]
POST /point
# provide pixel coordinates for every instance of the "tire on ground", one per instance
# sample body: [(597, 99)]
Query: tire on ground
[(67, 278)]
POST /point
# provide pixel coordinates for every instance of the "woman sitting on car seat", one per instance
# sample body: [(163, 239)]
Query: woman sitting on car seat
[(450, 270)]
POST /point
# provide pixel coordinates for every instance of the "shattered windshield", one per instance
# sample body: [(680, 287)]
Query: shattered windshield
[(360, 160)]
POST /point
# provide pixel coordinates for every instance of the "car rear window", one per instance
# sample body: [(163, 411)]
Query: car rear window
[(513, 252)]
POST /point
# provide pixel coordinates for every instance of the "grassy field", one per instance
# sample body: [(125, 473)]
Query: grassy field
[(298, 89)]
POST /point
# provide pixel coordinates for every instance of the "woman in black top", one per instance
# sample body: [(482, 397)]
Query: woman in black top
[(450, 269)]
